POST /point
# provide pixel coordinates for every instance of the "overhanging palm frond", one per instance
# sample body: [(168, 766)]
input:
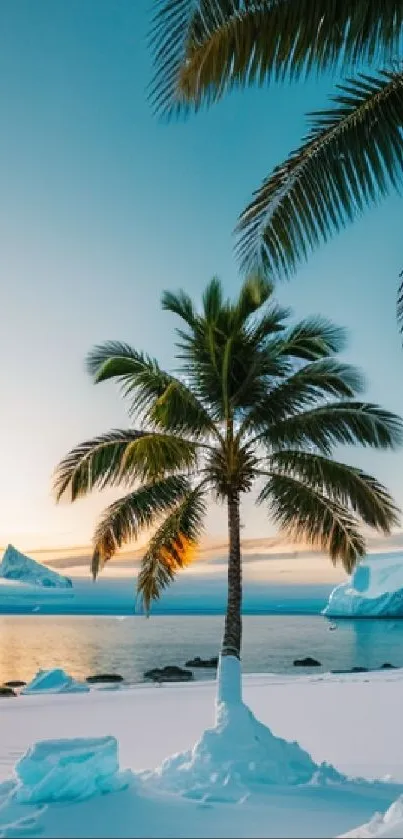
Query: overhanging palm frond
[(120, 457), (347, 485), (203, 48), (306, 515), (172, 547), (351, 158), (344, 423), (123, 520), (158, 396)]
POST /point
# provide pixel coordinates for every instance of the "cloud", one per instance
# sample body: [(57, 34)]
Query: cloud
[(273, 555)]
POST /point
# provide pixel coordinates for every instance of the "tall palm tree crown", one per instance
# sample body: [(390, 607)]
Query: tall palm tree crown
[(353, 152), (256, 401)]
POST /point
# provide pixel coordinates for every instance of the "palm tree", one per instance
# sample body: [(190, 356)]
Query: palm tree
[(255, 402), (353, 153)]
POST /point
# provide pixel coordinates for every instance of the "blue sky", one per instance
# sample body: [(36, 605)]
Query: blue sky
[(103, 207)]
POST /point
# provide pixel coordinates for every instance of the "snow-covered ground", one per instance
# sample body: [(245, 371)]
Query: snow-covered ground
[(352, 722)]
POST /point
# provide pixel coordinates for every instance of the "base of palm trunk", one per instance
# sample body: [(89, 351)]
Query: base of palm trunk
[(236, 757)]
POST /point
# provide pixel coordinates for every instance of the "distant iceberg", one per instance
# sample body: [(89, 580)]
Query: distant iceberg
[(375, 590), (20, 568)]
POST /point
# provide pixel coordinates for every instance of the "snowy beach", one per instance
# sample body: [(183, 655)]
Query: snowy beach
[(351, 722)]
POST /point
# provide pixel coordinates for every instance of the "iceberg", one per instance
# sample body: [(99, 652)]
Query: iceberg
[(69, 770), (54, 681), (374, 590), (387, 826), (20, 568)]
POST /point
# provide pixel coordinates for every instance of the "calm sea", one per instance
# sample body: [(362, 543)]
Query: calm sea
[(85, 645)]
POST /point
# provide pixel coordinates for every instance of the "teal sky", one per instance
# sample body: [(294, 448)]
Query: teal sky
[(102, 207)]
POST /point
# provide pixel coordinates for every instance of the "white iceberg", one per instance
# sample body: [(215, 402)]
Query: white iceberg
[(69, 770), (375, 589), (20, 568), (54, 681), (387, 826)]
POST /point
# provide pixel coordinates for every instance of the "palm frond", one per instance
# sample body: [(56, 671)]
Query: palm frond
[(346, 485), (172, 547), (306, 387), (352, 156), (266, 326), (203, 48), (120, 458), (224, 353), (213, 301), (155, 395), (123, 520), (399, 308), (96, 463), (308, 516), (256, 290), (179, 303), (346, 423), (169, 35), (311, 339)]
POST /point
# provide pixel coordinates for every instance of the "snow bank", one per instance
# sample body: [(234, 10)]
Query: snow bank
[(54, 681), (17, 566), (375, 589), (68, 770)]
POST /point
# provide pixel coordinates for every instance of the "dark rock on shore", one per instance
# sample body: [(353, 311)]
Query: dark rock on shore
[(171, 673), (388, 666), (15, 683), (6, 691), (306, 662), (203, 662), (104, 677)]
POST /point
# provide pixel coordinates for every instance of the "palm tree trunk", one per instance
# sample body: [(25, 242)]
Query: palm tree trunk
[(229, 675)]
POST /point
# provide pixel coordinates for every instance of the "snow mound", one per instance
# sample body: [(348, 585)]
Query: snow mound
[(232, 758), (387, 826), (17, 566), (68, 770), (375, 589), (54, 681)]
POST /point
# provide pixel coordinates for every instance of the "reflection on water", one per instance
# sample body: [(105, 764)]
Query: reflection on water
[(86, 645)]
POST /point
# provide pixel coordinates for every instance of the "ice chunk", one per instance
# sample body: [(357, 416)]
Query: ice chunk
[(16, 566), (375, 589), (54, 681), (69, 770)]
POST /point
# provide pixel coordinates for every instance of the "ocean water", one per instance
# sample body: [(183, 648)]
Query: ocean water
[(84, 645)]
